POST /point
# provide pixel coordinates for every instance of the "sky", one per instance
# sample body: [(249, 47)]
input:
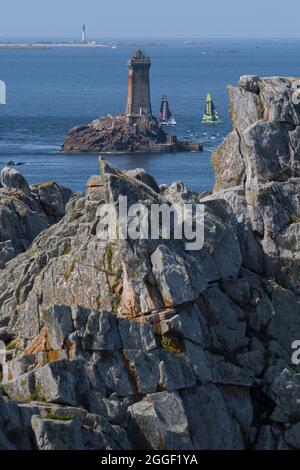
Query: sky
[(150, 18)]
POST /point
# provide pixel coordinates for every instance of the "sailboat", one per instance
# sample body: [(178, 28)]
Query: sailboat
[(211, 115), (165, 116)]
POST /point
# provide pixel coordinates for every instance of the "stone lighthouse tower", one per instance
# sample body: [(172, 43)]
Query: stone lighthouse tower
[(138, 98)]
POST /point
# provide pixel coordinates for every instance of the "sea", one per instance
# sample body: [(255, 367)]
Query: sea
[(50, 90)]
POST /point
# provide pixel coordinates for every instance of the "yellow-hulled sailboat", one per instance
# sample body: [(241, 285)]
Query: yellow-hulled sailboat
[(211, 115)]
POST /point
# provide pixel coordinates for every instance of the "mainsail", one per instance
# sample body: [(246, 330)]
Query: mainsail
[(211, 115), (165, 114)]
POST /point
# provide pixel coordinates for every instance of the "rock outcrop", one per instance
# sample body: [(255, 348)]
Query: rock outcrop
[(258, 174), (115, 134), (25, 211), (119, 344)]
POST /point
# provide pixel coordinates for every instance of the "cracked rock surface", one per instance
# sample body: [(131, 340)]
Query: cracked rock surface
[(140, 343)]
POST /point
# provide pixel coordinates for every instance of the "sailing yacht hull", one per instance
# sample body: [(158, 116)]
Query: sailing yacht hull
[(169, 123)]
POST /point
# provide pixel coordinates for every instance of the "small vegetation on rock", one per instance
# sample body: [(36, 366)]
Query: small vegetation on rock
[(52, 414), (295, 219), (170, 345)]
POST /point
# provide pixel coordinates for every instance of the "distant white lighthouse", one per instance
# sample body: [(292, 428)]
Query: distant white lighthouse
[(83, 34)]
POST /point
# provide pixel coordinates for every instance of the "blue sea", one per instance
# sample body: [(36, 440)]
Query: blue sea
[(51, 90)]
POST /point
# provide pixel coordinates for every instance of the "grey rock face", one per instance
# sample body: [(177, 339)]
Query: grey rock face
[(276, 93), (52, 198), (144, 370), (159, 422), (12, 179), (57, 435), (59, 325), (266, 439), (292, 436), (21, 388), (101, 332), (211, 426), (265, 147), (7, 252), (171, 277), (226, 321), (175, 372), (285, 323), (115, 374), (229, 163), (136, 335), (262, 157), (40, 426), (56, 383), (141, 175), (245, 108), (250, 83), (25, 212), (285, 390)]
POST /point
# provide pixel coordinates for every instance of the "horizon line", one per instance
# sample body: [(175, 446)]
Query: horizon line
[(170, 38)]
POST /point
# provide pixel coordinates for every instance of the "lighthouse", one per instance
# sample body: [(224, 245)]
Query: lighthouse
[(83, 34), (138, 96)]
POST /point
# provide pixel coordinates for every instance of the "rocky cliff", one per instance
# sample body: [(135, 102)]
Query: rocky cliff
[(141, 344), (258, 174)]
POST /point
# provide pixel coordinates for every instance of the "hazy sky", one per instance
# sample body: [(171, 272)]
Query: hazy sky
[(150, 18)]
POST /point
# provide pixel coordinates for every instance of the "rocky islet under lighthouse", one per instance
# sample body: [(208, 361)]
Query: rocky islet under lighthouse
[(136, 130)]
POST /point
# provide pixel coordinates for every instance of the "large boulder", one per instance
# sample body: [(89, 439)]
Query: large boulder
[(25, 212), (12, 179), (159, 422), (229, 163)]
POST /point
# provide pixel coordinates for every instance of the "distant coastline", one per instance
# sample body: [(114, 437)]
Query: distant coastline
[(105, 43), (93, 45), (116, 43), (19, 43), (46, 45)]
